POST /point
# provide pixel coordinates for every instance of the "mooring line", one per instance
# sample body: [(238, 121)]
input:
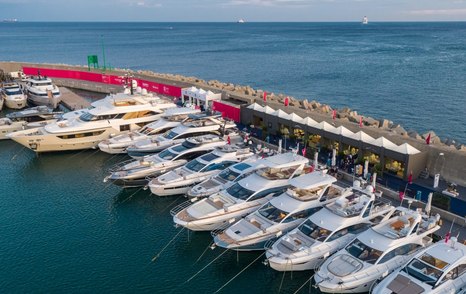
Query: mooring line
[(302, 286), (166, 246), (201, 270)]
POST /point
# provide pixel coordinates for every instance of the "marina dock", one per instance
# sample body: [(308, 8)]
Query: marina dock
[(73, 101)]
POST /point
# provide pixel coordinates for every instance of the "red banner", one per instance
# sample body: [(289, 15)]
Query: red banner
[(103, 78), (227, 111)]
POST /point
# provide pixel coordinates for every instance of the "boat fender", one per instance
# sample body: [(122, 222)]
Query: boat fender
[(231, 220)]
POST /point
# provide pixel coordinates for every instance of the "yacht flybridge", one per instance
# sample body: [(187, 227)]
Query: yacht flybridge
[(197, 125), (377, 252), (328, 230), (305, 196), (170, 119), (41, 91), (243, 197), (107, 117), (13, 96), (180, 180), (138, 173), (441, 268)]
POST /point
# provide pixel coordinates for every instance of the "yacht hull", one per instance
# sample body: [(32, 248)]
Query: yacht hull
[(5, 130), (112, 149), (285, 267), (163, 191), (130, 183), (16, 103), (44, 100)]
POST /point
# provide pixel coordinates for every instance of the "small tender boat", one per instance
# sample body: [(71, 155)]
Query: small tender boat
[(180, 180), (198, 125), (306, 195), (377, 252), (365, 20), (13, 96), (441, 268), (138, 173), (172, 118), (41, 91), (243, 197), (328, 230)]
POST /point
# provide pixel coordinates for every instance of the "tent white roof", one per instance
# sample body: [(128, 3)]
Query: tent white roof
[(256, 107), (310, 122), (406, 149), (325, 126), (268, 110), (384, 143), (361, 136), (296, 118), (341, 130), (281, 114)]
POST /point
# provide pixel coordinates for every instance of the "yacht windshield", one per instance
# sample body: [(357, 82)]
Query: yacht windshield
[(180, 148), (170, 135), (228, 175), (272, 213), (87, 116), (167, 154), (313, 231), (13, 92), (363, 252), (146, 131), (195, 165), (426, 269), (239, 191)]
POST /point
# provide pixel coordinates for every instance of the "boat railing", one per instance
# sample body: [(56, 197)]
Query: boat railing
[(180, 207), (220, 229), (268, 245), (118, 166)]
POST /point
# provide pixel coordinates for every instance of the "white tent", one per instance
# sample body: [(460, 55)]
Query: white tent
[(268, 110), (384, 143), (341, 130), (406, 149), (256, 107), (310, 122), (296, 118), (325, 126), (361, 136), (199, 96), (281, 114)]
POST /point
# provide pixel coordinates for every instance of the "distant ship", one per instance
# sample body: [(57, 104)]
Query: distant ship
[(365, 20), (10, 20), (241, 20)]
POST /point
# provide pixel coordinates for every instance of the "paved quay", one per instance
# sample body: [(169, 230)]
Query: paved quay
[(73, 101)]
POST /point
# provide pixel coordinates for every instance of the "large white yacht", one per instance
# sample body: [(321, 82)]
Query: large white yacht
[(180, 180), (305, 196), (41, 91), (138, 173), (441, 268), (377, 252), (27, 118), (198, 125), (13, 96), (328, 230), (223, 180), (243, 197), (170, 119), (107, 117)]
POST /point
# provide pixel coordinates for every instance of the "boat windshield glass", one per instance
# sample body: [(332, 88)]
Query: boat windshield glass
[(228, 175), (271, 173), (170, 135), (167, 154), (423, 272), (239, 191), (40, 84), (146, 130), (363, 252), (13, 92), (313, 231), (195, 165), (87, 116), (272, 213), (209, 157)]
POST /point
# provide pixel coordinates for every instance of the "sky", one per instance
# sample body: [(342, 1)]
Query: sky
[(232, 10)]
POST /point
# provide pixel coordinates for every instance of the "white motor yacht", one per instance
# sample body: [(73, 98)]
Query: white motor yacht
[(170, 119), (223, 180), (138, 173), (180, 180), (13, 96), (26, 119), (377, 252), (306, 195), (107, 117), (328, 230), (41, 91), (198, 125), (243, 197), (439, 269)]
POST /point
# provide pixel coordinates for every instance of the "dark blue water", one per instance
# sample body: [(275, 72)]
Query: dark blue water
[(411, 73)]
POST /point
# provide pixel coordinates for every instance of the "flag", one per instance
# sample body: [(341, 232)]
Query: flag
[(334, 114), (360, 121), (304, 151), (264, 96), (287, 101), (402, 195), (447, 237), (229, 140), (428, 139), (410, 178)]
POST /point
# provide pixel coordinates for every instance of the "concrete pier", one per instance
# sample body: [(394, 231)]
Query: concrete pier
[(73, 101)]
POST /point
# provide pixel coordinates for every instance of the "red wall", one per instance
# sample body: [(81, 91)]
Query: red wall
[(103, 78), (227, 111)]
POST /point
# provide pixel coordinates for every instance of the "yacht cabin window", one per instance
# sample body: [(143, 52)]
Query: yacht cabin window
[(427, 269), (228, 175), (363, 252), (195, 165), (313, 231), (239, 191), (272, 213)]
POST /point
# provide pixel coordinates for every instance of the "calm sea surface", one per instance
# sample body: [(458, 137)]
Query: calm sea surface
[(63, 230)]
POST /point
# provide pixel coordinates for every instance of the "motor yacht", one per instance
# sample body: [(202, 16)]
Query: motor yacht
[(136, 173), (41, 91), (328, 230), (441, 268), (223, 180), (377, 252), (170, 119), (26, 119), (108, 117), (306, 195), (181, 179), (243, 197), (200, 124), (13, 96)]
